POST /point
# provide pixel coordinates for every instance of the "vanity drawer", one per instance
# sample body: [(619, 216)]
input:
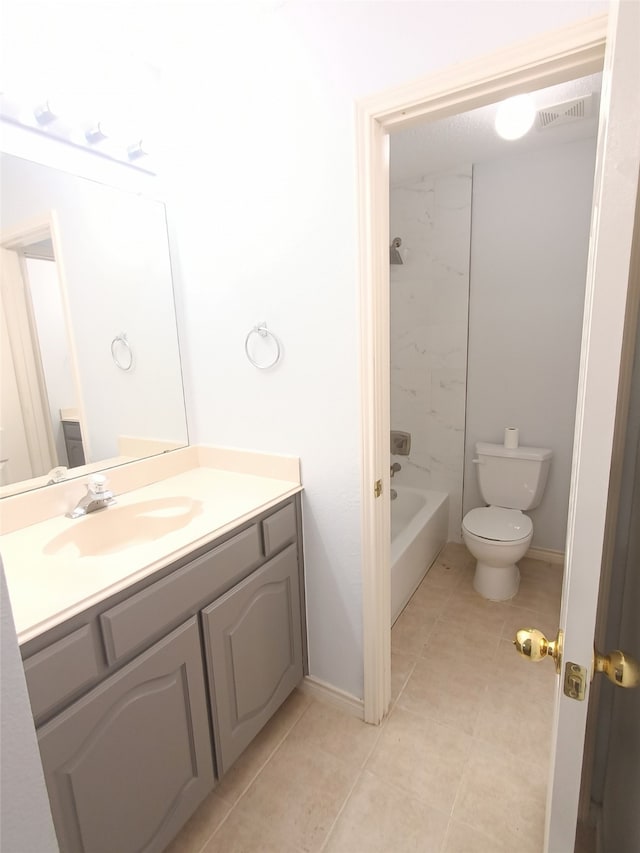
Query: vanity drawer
[(154, 610), (62, 669), (279, 529)]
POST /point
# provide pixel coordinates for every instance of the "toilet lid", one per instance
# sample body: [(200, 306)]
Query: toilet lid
[(495, 522)]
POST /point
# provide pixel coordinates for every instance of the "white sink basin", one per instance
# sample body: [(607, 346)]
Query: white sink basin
[(115, 528)]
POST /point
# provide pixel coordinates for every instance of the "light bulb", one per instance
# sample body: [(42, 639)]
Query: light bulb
[(45, 113), (515, 116), (97, 133)]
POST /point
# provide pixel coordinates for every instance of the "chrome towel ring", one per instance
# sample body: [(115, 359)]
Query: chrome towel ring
[(263, 332), (125, 360)]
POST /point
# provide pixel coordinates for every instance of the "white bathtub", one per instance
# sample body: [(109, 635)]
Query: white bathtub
[(419, 526)]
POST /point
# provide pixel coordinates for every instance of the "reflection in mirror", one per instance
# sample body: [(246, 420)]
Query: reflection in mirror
[(90, 361)]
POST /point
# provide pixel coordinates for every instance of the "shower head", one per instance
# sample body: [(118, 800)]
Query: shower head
[(394, 255)]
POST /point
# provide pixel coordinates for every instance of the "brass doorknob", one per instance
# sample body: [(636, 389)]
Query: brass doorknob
[(621, 669), (532, 644)]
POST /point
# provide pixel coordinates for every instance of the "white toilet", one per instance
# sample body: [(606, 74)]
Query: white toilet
[(498, 535)]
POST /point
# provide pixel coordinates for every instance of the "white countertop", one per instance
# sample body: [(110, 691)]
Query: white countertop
[(48, 588)]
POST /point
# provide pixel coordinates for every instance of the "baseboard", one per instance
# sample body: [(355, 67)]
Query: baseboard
[(546, 554), (332, 695)]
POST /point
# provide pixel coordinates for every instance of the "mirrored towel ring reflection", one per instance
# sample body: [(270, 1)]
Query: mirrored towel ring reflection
[(121, 352), (262, 347)]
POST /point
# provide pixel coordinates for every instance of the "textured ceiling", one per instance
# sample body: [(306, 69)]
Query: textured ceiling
[(471, 138)]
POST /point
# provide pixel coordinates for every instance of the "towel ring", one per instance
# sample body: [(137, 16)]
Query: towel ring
[(261, 329), (127, 362)]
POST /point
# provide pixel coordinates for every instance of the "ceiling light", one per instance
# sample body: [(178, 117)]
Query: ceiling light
[(515, 116)]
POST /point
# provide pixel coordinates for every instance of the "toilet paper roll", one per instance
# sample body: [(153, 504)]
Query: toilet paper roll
[(511, 437)]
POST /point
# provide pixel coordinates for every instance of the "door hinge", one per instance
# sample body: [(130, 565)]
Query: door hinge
[(575, 681), (377, 488)]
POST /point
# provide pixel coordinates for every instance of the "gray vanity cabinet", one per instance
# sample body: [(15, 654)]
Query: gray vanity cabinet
[(127, 764), (131, 696), (254, 653)]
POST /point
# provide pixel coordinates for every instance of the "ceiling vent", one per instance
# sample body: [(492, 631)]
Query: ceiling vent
[(568, 112)]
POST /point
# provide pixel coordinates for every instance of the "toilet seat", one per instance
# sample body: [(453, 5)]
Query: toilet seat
[(498, 524)]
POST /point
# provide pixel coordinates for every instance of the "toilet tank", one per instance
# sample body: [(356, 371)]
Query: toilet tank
[(512, 478)]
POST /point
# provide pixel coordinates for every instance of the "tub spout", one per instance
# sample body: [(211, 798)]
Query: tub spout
[(393, 494)]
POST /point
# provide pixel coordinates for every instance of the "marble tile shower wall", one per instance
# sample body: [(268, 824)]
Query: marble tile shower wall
[(429, 321)]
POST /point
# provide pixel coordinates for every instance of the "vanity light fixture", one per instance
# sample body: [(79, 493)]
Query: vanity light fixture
[(96, 133), (62, 119), (139, 149), (515, 117), (44, 113)]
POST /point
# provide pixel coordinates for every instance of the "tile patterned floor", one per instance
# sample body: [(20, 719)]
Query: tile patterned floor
[(459, 765)]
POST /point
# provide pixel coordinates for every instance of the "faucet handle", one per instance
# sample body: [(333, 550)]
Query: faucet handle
[(97, 484)]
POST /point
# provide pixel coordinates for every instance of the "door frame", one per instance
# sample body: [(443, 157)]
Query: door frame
[(30, 377), (555, 57)]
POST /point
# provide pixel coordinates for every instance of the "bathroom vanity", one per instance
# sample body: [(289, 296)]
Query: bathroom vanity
[(145, 697)]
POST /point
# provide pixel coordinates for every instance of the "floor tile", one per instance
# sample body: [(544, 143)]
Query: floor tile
[(325, 728), (517, 723), (476, 615), (452, 649), (379, 818), (456, 555), (430, 599), (503, 798), (464, 839), (411, 631), (444, 575), (423, 758), (520, 617), (244, 834), (401, 668), (241, 774), (201, 825), (301, 792), (540, 587), (442, 696), (510, 671)]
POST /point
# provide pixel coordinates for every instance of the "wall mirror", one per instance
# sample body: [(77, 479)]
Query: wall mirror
[(91, 374)]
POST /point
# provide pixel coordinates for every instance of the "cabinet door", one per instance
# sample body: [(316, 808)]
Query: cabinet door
[(128, 763), (254, 653)]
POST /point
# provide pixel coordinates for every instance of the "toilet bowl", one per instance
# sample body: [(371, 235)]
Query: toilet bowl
[(497, 537), (511, 479)]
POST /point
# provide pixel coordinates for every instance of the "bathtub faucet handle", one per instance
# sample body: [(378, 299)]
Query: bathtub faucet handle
[(395, 468)]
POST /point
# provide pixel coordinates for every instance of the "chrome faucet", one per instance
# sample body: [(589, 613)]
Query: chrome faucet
[(395, 468), (57, 475), (97, 497)]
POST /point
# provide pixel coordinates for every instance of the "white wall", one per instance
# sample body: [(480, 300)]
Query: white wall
[(266, 206), (429, 305), (25, 816), (530, 233)]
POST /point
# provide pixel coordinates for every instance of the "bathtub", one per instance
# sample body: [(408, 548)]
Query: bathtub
[(419, 526)]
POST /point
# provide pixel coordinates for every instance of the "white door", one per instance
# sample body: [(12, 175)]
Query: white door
[(27, 440), (616, 187)]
